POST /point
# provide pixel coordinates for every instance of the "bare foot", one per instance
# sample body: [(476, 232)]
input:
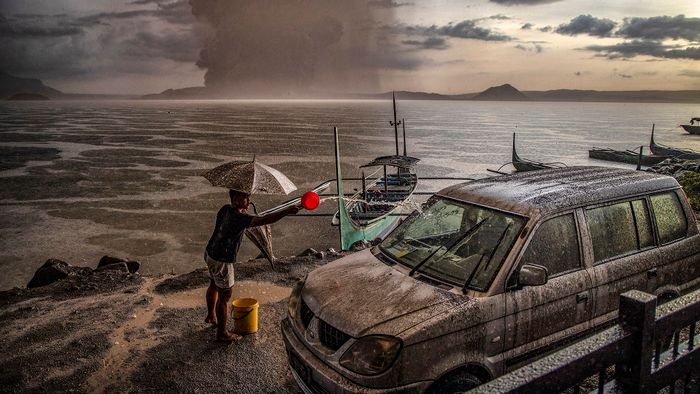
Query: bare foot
[(211, 320), (228, 337)]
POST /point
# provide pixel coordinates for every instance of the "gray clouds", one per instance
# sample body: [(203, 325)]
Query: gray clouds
[(661, 27), (465, 29), (143, 39), (587, 24), (523, 2), (690, 73), (428, 43), (649, 48)]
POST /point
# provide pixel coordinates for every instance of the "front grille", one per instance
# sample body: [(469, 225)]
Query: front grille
[(330, 336), (306, 314)]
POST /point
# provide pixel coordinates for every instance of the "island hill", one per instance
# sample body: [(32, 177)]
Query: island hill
[(10, 86)]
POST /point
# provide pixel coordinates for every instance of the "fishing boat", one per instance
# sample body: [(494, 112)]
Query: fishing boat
[(692, 128), (625, 156), (521, 164), (375, 210), (663, 150)]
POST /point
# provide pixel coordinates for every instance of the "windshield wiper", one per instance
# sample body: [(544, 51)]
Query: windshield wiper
[(493, 252), (466, 234)]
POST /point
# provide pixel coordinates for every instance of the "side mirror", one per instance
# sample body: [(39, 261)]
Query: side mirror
[(532, 275)]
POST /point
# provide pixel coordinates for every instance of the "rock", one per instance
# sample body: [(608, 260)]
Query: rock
[(133, 266), (52, 271), (309, 252), (331, 252), (122, 267), (320, 255), (360, 245)]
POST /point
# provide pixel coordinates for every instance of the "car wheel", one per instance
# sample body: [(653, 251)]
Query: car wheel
[(455, 383)]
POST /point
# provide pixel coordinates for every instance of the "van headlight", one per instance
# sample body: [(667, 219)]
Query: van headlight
[(293, 304), (371, 355)]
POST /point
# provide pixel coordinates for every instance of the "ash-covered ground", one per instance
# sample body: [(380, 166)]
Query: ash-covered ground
[(109, 331)]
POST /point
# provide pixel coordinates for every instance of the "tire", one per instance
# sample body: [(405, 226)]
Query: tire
[(457, 382)]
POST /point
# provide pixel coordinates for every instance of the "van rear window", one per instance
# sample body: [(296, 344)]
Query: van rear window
[(670, 218), (619, 229)]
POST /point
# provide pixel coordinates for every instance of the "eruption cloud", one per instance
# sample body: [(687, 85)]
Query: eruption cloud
[(283, 48)]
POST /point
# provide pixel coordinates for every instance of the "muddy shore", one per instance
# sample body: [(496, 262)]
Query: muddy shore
[(110, 331)]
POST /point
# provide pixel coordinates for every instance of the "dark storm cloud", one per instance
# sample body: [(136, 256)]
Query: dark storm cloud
[(135, 41), (587, 24), (635, 48), (527, 26), (34, 26), (523, 2), (428, 43), (387, 4), (661, 27), (464, 29), (278, 47)]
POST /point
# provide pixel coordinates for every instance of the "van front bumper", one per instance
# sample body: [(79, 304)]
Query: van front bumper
[(315, 377)]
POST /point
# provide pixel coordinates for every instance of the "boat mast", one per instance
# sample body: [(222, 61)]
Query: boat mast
[(395, 123), (403, 124)]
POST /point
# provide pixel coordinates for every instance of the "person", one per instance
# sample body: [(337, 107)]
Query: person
[(221, 252)]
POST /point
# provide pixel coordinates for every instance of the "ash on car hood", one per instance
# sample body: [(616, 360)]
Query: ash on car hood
[(360, 295)]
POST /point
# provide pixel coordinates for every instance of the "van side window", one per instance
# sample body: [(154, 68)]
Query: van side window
[(619, 229), (643, 222), (555, 245), (670, 218)]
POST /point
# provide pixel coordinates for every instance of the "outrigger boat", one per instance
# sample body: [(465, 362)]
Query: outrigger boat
[(521, 164), (375, 210), (663, 150), (625, 156), (692, 128)]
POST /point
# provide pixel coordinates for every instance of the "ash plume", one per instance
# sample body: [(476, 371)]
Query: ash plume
[(282, 48)]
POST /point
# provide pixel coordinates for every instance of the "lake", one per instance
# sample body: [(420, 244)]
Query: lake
[(81, 179)]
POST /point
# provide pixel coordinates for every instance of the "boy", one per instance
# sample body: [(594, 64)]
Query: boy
[(222, 251)]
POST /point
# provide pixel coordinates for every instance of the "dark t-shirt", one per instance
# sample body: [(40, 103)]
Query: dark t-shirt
[(228, 233)]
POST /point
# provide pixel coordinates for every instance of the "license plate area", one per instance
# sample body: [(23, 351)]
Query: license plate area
[(299, 367)]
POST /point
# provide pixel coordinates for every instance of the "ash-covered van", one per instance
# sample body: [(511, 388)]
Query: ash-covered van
[(491, 275)]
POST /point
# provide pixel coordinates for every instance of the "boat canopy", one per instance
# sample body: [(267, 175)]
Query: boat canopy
[(394, 161), (692, 120)]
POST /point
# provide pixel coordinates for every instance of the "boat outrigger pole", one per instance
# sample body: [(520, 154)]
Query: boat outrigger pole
[(395, 124), (403, 124)]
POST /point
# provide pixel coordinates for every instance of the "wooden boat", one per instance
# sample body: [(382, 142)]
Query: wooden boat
[(663, 150), (692, 128), (625, 156), (521, 164), (375, 210)]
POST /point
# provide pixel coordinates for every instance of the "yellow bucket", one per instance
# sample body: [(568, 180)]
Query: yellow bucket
[(245, 315)]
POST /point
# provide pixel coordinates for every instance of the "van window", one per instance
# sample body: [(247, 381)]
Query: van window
[(619, 229), (641, 218), (670, 218), (555, 245)]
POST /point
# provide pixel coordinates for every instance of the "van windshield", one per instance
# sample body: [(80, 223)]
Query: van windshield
[(455, 242)]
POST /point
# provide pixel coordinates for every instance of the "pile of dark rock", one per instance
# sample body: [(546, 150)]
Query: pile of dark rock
[(55, 270), (676, 167)]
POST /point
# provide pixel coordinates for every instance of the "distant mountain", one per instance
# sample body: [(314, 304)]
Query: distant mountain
[(637, 96), (11, 85), (197, 92), (501, 93), (28, 97)]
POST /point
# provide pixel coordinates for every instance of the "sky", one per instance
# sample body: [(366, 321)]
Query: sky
[(297, 48)]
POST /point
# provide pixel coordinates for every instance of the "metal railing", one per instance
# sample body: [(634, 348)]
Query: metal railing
[(651, 348)]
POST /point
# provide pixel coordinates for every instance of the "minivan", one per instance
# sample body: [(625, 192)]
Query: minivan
[(488, 276)]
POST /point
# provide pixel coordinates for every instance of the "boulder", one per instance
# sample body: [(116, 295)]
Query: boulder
[(52, 271), (309, 252), (121, 267), (131, 265)]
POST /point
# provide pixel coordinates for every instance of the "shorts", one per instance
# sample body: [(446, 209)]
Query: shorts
[(220, 272)]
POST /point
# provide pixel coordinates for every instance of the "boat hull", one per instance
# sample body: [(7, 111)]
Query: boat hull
[(691, 129), (624, 157)]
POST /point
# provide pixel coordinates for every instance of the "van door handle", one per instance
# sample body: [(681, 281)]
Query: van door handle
[(651, 273), (582, 297)]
